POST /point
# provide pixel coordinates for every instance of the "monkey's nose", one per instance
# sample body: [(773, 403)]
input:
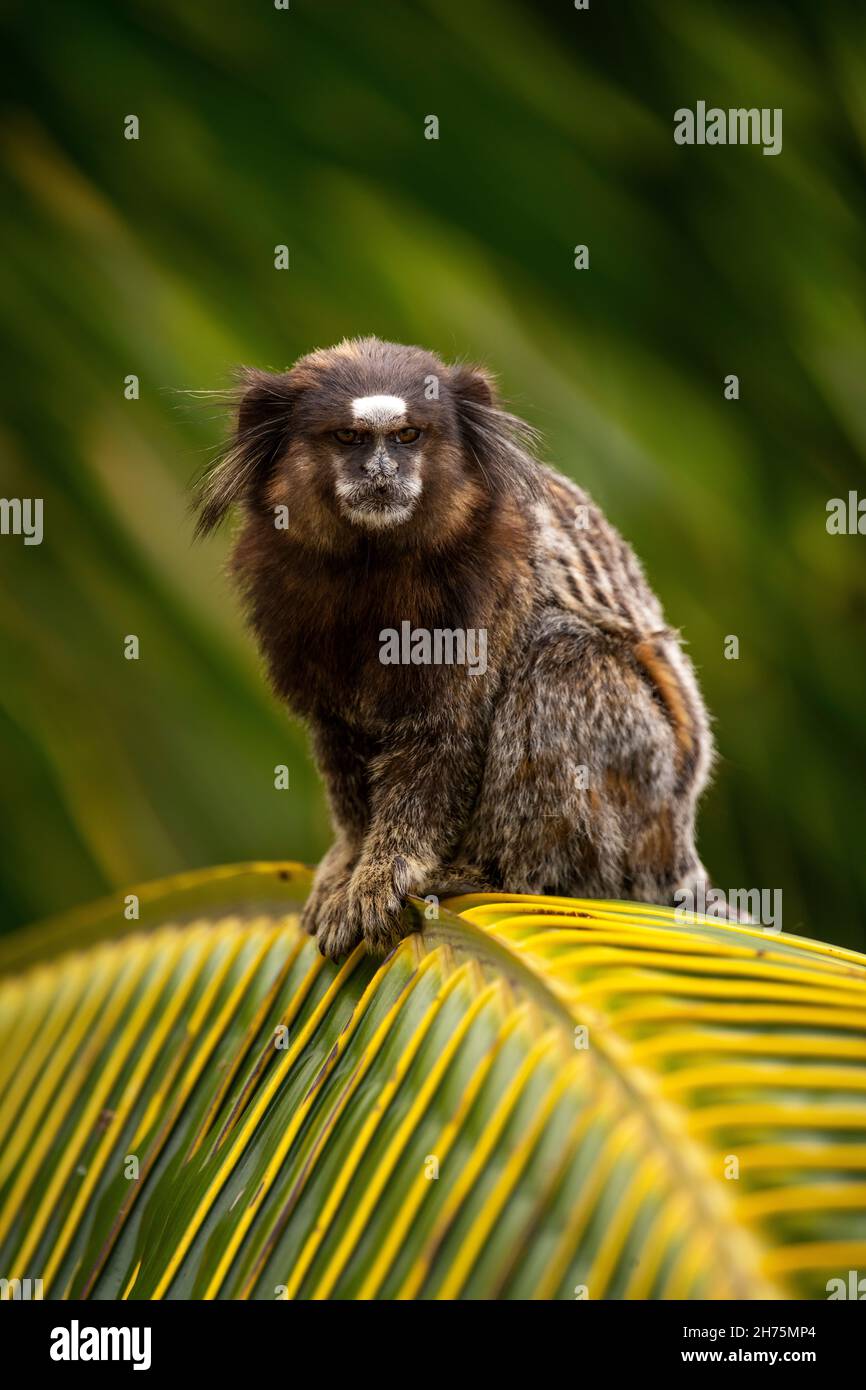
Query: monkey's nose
[(380, 465)]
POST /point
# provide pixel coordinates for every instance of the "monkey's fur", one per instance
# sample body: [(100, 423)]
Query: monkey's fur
[(573, 765)]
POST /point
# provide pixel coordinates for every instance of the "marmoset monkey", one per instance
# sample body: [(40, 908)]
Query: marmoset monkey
[(395, 521)]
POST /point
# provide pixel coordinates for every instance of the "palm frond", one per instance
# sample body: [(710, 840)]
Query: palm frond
[(530, 1098)]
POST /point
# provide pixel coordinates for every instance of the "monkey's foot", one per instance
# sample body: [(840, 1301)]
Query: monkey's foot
[(454, 879), (369, 909)]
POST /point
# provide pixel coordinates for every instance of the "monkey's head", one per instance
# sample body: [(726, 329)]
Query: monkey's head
[(369, 439)]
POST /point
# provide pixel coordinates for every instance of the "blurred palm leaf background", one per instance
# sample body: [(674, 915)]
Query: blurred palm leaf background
[(529, 1098), (306, 127)]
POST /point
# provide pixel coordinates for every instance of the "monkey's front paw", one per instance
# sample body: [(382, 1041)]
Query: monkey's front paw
[(375, 896), (336, 931), (369, 909), (332, 877)]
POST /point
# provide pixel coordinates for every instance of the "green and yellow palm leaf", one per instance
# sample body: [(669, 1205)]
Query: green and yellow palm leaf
[(530, 1098)]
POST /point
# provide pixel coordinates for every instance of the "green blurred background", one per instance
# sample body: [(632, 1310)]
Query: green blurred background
[(306, 127)]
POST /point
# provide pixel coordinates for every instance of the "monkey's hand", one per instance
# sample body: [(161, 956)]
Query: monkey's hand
[(333, 873), (367, 909)]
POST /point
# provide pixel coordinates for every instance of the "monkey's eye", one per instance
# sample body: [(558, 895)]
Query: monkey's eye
[(408, 435), (347, 436)]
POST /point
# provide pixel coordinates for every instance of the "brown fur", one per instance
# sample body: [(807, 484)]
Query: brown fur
[(573, 765)]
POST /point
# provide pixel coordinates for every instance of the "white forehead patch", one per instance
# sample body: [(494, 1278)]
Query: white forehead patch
[(379, 412)]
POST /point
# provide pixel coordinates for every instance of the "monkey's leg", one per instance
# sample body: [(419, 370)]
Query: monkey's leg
[(661, 859), (421, 788), (341, 755), (580, 794)]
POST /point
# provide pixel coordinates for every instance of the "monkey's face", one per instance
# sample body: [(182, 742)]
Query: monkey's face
[(375, 452), (375, 441), (371, 439)]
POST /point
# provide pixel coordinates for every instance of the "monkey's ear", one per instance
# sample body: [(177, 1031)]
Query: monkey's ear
[(500, 444), (263, 404)]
